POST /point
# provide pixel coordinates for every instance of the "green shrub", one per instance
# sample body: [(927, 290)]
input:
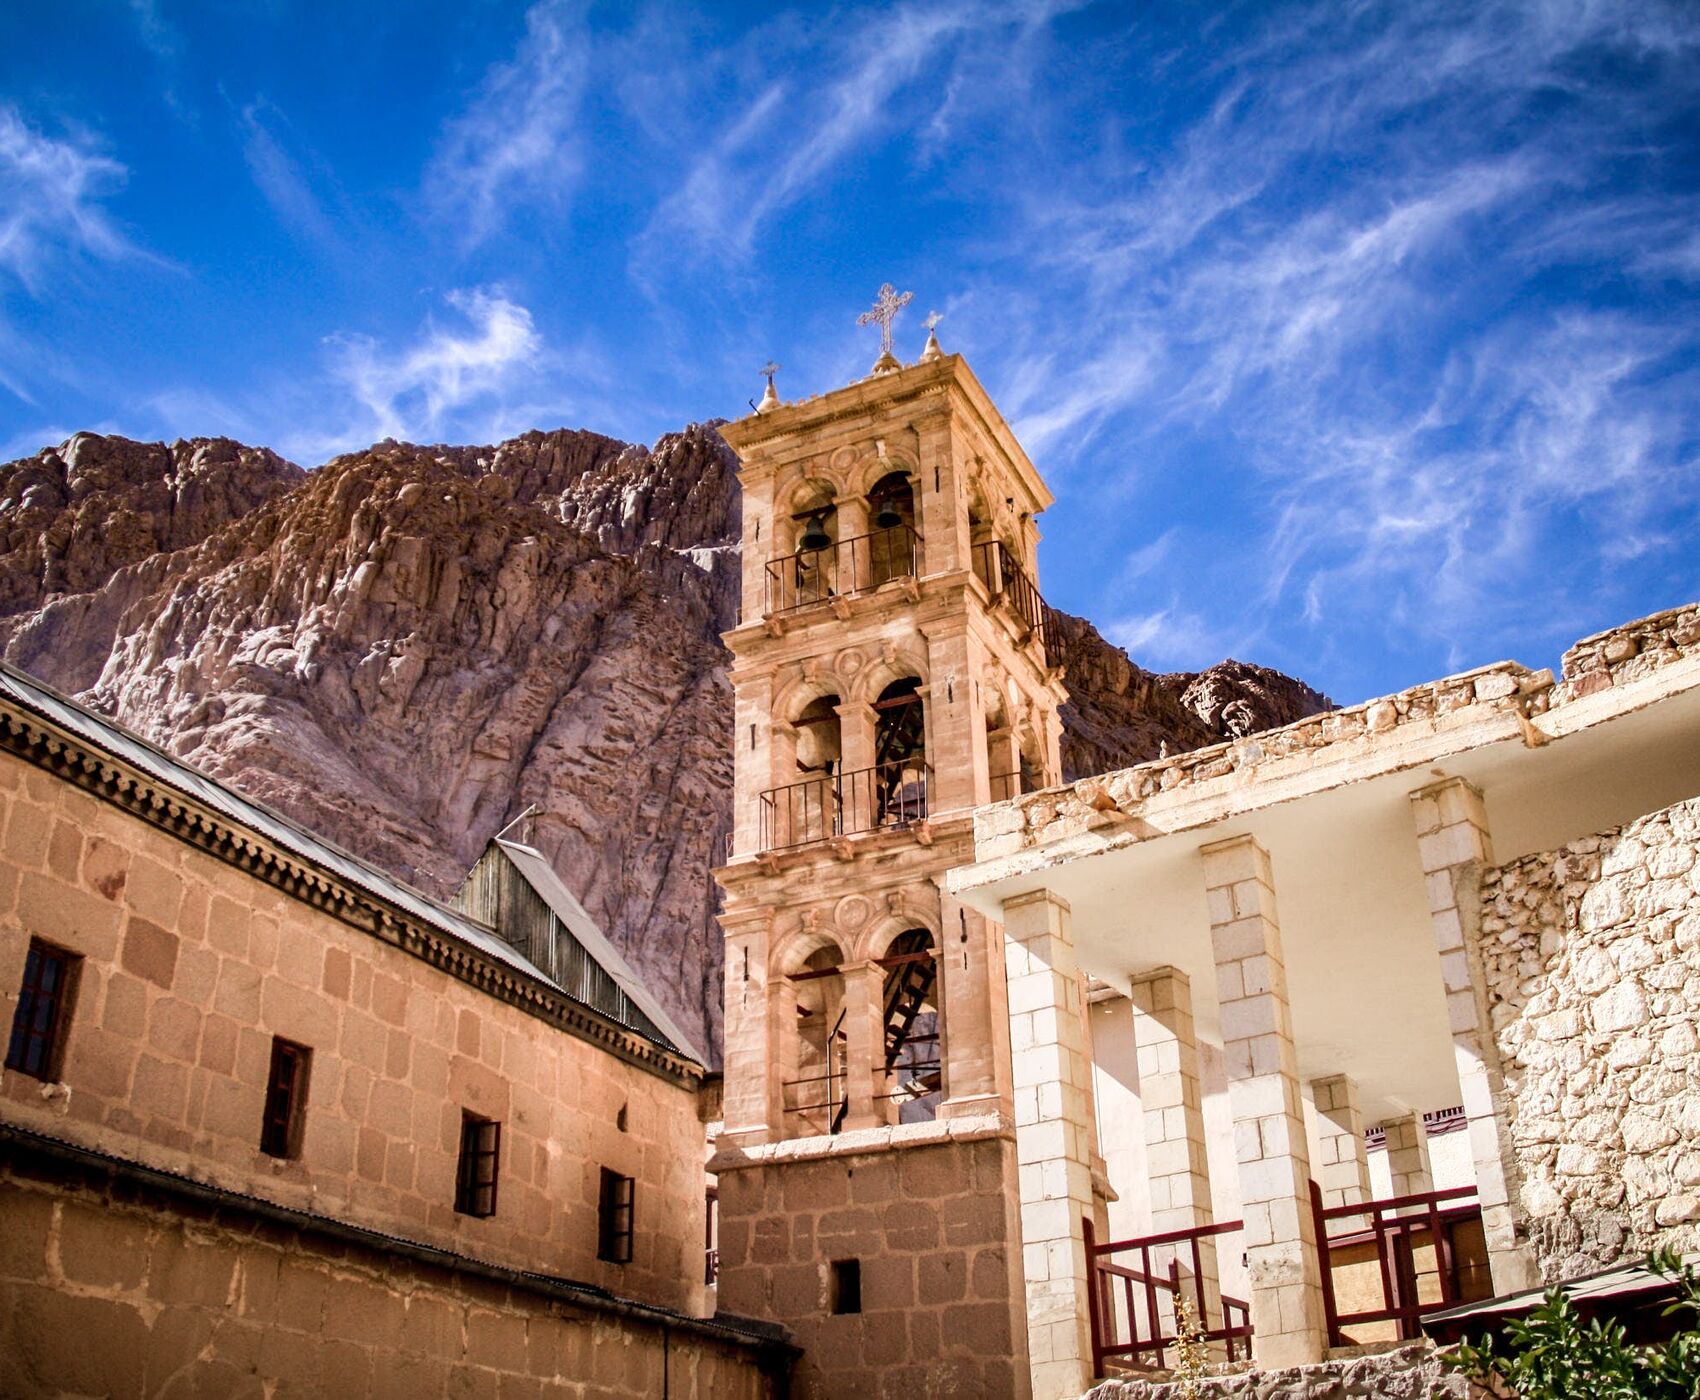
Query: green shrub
[(1553, 1355)]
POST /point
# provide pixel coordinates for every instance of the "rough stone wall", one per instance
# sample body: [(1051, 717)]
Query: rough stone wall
[(1631, 651), (936, 1232), (1592, 960), (191, 966), (111, 1294), (1408, 1373)]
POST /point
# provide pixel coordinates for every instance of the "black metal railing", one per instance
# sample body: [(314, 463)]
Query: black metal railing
[(842, 804), (855, 565), (999, 570), (1137, 1329)]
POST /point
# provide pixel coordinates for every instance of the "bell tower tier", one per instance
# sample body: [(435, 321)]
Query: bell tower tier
[(890, 675)]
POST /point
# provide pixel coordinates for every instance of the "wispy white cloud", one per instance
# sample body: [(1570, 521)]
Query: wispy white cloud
[(280, 175), (420, 390), (516, 142), (825, 92), (52, 200)]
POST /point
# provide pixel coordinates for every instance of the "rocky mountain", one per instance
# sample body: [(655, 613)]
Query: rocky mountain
[(407, 647)]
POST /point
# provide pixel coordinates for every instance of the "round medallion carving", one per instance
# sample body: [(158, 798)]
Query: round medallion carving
[(852, 913)]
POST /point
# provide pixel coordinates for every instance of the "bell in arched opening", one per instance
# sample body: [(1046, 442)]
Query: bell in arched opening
[(814, 533)]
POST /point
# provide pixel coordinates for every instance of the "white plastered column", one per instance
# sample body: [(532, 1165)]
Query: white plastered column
[(1342, 1166), (1454, 844), (1288, 1324), (1052, 1137)]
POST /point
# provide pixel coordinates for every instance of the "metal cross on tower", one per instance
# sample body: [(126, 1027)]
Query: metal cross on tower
[(883, 312), (769, 369), (932, 321)]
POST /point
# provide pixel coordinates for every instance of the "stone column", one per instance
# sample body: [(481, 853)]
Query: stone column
[(1173, 1104), (1342, 1168), (974, 1026), (856, 720), (1407, 1155), (1288, 1324), (864, 1036), (751, 1081), (1454, 846), (1052, 1139)]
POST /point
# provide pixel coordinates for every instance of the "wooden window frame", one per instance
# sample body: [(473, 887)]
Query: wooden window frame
[(285, 1113), (615, 1212), (40, 1052), (480, 1165)]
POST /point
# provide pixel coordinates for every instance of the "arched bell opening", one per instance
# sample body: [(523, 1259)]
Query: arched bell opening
[(913, 1052), (809, 573), (900, 776), (892, 540), (817, 1099)]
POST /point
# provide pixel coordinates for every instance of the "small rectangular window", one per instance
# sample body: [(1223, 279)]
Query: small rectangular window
[(286, 1099), (44, 1011), (475, 1186), (614, 1218), (846, 1286)]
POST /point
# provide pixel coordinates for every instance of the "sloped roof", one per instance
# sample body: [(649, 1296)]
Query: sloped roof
[(114, 739), (540, 875)]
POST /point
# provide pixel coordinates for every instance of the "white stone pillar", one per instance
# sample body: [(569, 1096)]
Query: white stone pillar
[(1052, 1139), (1342, 1168), (1454, 845), (1288, 1324), (1170, 1094), (1407, 1155)]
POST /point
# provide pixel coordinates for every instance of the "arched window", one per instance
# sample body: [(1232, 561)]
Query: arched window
[(810, 572), (809, 806), (816, 1099), (913, 1057), (891, 520), (900, 754)]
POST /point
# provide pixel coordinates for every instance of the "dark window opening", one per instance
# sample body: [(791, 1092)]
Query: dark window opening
[(286, 1099), (614, 1218), (475, 1184), (846, 1289), (43, 1011)]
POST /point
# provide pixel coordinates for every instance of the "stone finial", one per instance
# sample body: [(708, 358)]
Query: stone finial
[(770, 399), (933, 351)]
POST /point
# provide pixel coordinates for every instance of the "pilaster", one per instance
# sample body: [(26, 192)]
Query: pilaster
[(1407, 1155), (1454, 846), (1288, 1323)]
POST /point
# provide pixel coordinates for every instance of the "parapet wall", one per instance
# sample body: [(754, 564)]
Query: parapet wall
[(1591, 955), (1390, 1375)]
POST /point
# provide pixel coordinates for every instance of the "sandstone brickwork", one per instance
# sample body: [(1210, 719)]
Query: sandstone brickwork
[(938, 1242), (1592, 958), (191, 966), (123, 1289)]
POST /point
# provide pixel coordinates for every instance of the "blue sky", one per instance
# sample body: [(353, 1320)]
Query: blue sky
[(1360, 340)]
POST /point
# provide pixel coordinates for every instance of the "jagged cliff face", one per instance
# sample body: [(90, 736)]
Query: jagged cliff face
[(409, 646)]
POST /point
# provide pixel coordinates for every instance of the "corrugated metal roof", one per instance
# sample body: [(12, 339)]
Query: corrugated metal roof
[(541, 876), (120, 743)]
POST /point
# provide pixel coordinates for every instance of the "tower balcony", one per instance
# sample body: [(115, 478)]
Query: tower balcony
[(1010, 587), (886, 797), (837, 570)]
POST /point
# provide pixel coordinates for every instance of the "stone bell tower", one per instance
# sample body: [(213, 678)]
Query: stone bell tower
[(890, 675)]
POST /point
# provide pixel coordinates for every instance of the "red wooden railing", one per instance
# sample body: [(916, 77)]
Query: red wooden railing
[(1396, 1226), (1150, 1326)]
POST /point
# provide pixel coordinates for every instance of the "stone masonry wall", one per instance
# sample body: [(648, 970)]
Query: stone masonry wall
[(191, 966), (939, 1243), (1592, 960), (1409, 1373), (114, 1292)]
